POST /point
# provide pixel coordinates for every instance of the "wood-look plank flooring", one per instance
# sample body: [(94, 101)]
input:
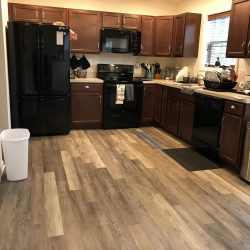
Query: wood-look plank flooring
[(113, 189)]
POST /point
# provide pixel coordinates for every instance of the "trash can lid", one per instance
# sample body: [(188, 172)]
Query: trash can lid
[(17, 134)]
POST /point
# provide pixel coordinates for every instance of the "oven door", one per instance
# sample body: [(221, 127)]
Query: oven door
[(126, 114)]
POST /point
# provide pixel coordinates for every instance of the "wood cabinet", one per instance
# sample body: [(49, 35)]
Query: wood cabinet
[(147, 35), (180, 114), (158, 103), (131, 22), (164, 106), (148, 110), (231, 129), (86, 105), (111, 20), (172, 115), (50, 15), (24, 12), (86, 24), (121, 21), (186, 35), (238, 44), (186, 120), (163, 35), (37, 14)]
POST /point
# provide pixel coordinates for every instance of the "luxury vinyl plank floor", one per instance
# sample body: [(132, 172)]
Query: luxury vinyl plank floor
[(115, 189)]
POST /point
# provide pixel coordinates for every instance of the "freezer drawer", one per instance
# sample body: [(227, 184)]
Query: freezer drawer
[(42, 116)]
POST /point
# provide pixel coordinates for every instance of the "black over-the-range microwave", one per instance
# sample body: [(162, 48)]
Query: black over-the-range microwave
[(120, 41)]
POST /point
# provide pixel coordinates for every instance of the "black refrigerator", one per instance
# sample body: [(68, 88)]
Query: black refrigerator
[(39, 77)]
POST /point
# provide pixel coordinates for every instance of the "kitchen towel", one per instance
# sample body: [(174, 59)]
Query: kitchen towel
[(84, 63), (120, 93), (74, 62), (129, 92)]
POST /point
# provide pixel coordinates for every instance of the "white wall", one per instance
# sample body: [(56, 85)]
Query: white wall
[(145, 7), (207, 7), (4, 94)]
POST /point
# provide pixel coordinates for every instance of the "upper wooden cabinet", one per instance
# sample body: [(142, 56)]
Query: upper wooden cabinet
[(111, 20), (131, 22), (163, 35), (147, 35), (50, 15), (238, 44), (186, 35), (37, 14), (86, 24), (23, 12), (121, 21)]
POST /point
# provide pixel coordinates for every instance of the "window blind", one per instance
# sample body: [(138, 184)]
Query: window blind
[(218, 26)]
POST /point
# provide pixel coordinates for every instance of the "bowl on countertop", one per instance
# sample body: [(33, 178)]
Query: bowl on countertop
[(226, 85)]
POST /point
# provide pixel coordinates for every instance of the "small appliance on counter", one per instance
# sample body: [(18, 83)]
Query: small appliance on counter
[(182, 75), (122, 96), (79, 66)]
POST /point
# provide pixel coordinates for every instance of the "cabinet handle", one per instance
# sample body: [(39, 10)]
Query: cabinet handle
[(232, 107), (100, 98), (124, 22), (169, 49), (248, 47), (36, 14), (144, 90), (43, 15), (222, 122), (243, 46), (141, 48), (98, 45), (119, 22), (86, 87)]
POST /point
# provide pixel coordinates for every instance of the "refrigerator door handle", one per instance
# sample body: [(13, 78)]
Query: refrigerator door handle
[(42, 62)]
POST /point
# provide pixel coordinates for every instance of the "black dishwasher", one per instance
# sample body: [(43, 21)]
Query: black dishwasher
[(207, 125)]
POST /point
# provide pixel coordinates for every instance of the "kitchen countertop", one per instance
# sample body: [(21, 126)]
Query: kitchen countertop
[(170, 83), (86, 80)]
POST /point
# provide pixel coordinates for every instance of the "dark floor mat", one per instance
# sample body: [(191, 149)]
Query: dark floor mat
[(190, 159)]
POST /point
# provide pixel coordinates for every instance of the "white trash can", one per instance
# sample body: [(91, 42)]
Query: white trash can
[(15, 150)]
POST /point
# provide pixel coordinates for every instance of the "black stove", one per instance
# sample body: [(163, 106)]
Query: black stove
[(122, 96)]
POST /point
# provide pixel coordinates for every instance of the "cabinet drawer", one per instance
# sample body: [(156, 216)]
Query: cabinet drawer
[(85, 87), (234, 108)]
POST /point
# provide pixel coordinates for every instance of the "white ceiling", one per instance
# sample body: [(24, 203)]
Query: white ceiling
[(173, 1)]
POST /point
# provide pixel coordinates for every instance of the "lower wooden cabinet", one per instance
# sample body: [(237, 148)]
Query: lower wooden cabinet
[(230, 138), (164, 105), (158, 103), (186, 119), (172, 115), (148, 110), (86, 105)]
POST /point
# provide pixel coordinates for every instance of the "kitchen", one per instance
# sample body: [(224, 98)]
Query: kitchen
[(124, 188)]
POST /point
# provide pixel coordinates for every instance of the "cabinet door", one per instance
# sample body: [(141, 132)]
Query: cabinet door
[(239, 22), (23, 12), (50, 15), (163, 35), (172, 115), (179, 33), (186, 120), (164, 107), (158, 103), (131, 22), (86, 109), (111, 20), (230, 138), (147, 35), (148, 111), (86, 24)]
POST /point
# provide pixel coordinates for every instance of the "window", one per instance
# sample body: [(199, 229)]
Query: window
[(218, 26)]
